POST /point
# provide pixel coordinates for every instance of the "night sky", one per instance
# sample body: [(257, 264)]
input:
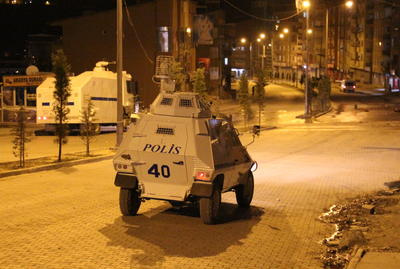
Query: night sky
[(18, 21)]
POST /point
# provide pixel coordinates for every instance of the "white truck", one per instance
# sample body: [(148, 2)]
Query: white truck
[(99, 85), (180, 153)]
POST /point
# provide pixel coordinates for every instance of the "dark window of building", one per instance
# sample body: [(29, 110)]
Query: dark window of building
[(19, 96), (8, 97)]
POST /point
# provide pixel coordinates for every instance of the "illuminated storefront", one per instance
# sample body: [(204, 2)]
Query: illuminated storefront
[(18, 91)]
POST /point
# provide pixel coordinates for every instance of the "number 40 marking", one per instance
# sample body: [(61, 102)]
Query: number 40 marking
[(153, 170)]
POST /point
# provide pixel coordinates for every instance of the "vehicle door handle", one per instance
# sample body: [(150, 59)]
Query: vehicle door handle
[(179, 163)]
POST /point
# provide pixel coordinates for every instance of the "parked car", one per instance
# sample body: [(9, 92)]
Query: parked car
[(348, 86)]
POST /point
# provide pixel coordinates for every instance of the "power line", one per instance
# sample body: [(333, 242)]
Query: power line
[(260, 18), (136, 34), (389, 3)]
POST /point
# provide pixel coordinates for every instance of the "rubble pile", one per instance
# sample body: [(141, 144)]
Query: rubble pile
[(350, 219)]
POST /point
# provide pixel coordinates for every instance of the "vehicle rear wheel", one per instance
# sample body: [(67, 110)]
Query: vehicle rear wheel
[(176, 203), (244, 192), (209, 207), (129, 201)]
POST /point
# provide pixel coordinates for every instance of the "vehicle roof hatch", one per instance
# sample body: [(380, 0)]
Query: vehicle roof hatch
[(180, 104)]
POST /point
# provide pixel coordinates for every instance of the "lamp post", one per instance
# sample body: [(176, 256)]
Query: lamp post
[(119, 74), (262, 37), (307, 108)]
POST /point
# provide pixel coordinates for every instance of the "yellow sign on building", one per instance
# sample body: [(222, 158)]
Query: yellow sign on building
[(23, 81)]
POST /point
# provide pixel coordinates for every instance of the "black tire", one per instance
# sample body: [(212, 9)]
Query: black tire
[(209, 207), (244, 192), (129, 201)]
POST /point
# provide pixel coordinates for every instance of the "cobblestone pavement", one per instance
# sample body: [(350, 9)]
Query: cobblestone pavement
[(69, 218)]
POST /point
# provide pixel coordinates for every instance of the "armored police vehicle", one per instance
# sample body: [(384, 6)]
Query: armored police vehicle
[(99, 86), (180, 153)]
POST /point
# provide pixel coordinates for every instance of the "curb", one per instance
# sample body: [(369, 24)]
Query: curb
[(323, 113), (359, 253), (54, 166)]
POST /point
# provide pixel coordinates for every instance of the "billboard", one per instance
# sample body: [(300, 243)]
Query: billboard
[(203, 30), (23, 81)]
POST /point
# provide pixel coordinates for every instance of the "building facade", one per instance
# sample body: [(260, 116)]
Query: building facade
[(19, 91), (161, 27)]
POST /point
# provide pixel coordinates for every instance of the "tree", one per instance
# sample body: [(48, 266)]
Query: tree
[(324, 93), (88, 128), (21, 137), (176, 74), (260, 92), (199, 82), (62, 91), (244, 100)]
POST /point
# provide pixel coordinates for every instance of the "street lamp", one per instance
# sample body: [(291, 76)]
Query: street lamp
[(262, 36), (286, 30), (306, 4), (349, 4), (243, 40), (307, 103)]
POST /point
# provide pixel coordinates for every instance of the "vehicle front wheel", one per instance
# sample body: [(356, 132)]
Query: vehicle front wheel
[(209, 207), (129, 201), (244, 192)]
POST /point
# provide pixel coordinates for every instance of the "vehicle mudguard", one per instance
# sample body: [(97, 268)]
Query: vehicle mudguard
[(201, 189), (126, 181)]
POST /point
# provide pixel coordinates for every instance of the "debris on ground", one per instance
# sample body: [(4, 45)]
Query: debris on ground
[(353, 221)]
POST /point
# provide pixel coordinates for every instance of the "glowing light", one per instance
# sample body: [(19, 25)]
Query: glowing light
[(258, 39), (349, 4), (262, 35), (380, 44), (309, 31), (281, 35), (188, 30), (243, 40), (286, 30), (306, 4)]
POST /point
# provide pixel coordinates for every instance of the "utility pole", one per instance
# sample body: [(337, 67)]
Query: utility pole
[(326, 40), (119, 74), (307, 109), (263, 57)]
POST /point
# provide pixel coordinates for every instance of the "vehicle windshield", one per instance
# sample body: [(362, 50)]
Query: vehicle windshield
[(349, 83)]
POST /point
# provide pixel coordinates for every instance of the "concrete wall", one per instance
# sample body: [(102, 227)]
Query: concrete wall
[(92, 38)]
